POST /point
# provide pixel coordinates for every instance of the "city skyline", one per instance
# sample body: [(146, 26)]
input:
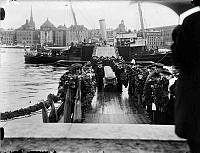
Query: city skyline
[(60, 15)]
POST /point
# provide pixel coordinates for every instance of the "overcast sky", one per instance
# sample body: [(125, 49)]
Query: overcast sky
[(88, 14)]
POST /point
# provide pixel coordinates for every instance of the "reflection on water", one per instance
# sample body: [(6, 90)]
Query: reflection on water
[(23, 84)]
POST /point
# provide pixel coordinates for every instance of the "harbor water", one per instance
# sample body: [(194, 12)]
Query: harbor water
[(23, 85)]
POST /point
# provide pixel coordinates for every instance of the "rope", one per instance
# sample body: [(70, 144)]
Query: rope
[(16, 116), (161, 58)]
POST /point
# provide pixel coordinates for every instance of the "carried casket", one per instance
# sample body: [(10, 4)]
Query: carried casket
[(109, 78)]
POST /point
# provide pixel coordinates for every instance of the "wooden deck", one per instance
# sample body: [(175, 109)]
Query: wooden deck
[(109, 106), (115, 108)]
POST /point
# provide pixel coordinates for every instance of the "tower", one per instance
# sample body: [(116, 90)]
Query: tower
[(122, 27), (103, 29), (31, 22)]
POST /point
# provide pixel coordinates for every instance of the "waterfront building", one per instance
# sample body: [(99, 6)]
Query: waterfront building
[(153, 39), (60, 36), (7, 36), (121, 27), (103, 29), (125, 39), (94, 35), (76, 33), (166, 35), (111, 34), (47, 30), (26, 34)]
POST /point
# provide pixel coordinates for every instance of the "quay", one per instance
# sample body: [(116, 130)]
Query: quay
[(94, 138), (114, 122)]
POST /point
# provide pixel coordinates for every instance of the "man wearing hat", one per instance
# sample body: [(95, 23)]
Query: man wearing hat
[(186, 53), (100, 75)]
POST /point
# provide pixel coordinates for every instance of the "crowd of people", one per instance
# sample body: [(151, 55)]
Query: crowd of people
[(152, 86), (149, 85), (81, 78)]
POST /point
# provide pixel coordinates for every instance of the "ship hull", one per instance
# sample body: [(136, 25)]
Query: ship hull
[(139, 54), (165, 59), (43, 59), (83, 53)]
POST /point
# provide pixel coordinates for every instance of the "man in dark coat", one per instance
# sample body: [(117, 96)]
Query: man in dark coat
[(186, 53)]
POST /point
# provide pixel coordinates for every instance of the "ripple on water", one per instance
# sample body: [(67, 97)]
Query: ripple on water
[(21, 83)]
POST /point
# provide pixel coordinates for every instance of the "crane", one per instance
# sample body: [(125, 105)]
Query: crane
[(75, 23)]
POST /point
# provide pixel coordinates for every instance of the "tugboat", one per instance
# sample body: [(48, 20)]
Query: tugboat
[(46, 55)]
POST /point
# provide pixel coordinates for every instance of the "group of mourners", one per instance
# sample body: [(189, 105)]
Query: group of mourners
[(148, 85), (152, 86), (75, 91)]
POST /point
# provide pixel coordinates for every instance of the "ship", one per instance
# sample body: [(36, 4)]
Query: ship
[(44, 54), (14, 46), (140, 53), (51, 55), (131, 46)]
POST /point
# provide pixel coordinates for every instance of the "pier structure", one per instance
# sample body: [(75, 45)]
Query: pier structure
[(126, 127), (105, 51), (111, 106), (114, 107)]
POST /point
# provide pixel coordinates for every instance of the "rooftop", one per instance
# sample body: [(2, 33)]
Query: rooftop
[(47, 24)]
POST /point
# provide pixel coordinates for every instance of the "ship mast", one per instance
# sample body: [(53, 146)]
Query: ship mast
[(75, 22), (141, 20)]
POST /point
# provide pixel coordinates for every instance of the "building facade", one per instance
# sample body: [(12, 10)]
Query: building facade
[(94, 35), (25, 37), (26, 34), (77, 34), (47, 33), (125, 39), (60, 36), (153, 39), (166, 35), (121, 27), (111, 34), (7, 37)]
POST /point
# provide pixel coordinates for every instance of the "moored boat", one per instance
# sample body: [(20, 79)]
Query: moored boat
[(48, 55)]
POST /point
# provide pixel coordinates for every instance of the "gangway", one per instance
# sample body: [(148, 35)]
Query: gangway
[(106, 51)]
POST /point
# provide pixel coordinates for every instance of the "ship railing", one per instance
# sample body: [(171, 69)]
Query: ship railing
[(31, 53), (70, 110)]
